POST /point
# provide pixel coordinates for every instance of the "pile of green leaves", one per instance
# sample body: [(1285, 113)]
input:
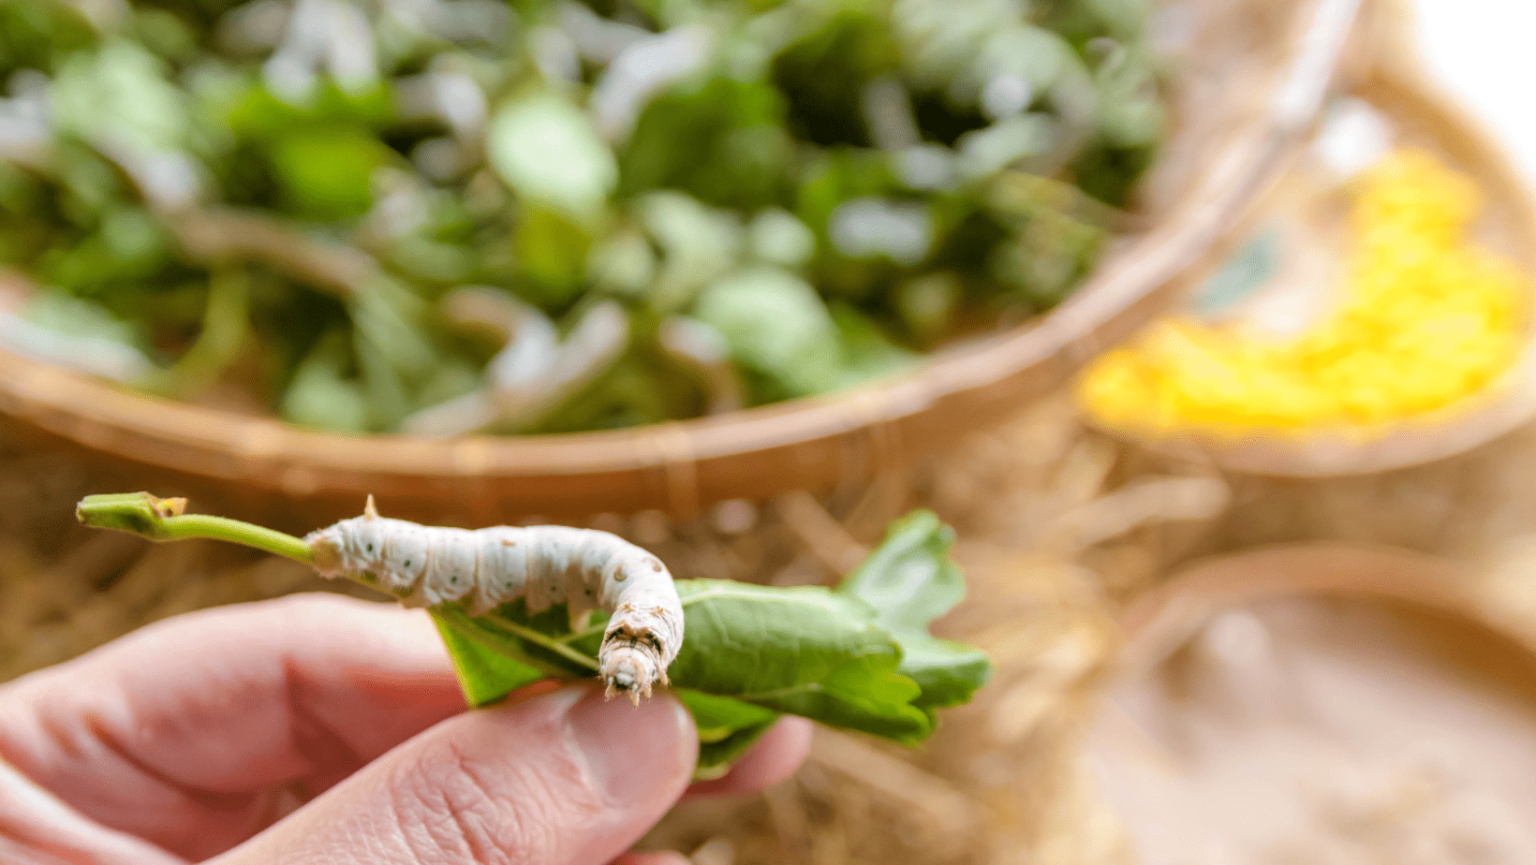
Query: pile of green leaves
[(858, 657), (270, 204)]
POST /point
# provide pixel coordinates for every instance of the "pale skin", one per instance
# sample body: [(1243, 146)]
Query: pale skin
[(319, 729)]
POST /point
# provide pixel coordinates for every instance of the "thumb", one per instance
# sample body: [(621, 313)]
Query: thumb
[(563, 779)]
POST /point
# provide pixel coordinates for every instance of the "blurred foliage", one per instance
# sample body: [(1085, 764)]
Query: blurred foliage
[(281, 199)]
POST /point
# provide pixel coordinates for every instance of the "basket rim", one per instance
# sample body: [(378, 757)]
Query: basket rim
[(753, 453), (1164, 618)]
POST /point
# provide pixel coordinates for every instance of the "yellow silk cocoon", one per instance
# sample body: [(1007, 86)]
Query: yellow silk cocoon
[(1426, 318)]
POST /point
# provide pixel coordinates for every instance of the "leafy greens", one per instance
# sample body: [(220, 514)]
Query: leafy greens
[(824, 188)]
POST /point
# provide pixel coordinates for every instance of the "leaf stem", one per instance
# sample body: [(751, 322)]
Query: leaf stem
[(590, 631), (164, 520), (466, 625), (542, 640)]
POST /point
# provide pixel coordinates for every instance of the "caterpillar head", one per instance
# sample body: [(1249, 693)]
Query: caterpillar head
[(630, 670), (637, 648)]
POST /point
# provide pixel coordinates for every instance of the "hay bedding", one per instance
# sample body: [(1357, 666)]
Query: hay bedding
[(1059, 529)]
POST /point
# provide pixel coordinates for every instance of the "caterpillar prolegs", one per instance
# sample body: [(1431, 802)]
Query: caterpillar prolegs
[(583, 568)]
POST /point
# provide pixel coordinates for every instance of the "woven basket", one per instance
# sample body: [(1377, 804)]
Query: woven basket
[(1164, 619), (1251, 77)]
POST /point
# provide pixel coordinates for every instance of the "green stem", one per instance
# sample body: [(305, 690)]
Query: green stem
[(162, 520), (237, 532), (574, 636), (544, 640), (225, 322), (474, 629)]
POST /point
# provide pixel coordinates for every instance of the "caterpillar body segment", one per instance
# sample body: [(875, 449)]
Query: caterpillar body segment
[(404, 557), (450, 573), (425, 566)]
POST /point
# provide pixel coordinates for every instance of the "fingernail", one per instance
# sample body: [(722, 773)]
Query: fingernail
[(634, 752)]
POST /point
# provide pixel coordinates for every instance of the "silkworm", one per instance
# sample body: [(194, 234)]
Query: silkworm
[(425, 566)]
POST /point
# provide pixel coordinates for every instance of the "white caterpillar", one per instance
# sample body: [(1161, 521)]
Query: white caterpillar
[(586, 569)]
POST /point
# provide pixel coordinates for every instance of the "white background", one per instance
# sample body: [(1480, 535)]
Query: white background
[(1484, 52)]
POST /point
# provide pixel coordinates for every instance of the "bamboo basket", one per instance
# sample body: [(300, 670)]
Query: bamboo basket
[(1165, 618), (1252, 76), (1422, 116)]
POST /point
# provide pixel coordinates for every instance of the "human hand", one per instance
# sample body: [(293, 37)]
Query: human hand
[(323, 729)]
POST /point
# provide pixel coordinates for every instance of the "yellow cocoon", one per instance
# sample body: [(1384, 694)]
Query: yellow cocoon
[(1426, 318)]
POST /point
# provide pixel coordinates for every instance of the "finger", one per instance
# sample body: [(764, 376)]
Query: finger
[(562, 779), (37, 827), (181, 732), (775, 757)]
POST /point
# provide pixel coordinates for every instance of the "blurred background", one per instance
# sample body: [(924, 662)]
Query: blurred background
[(1206, 323)]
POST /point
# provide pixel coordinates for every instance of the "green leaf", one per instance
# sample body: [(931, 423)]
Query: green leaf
[(869, 353), (128, 250), (727, 728), (699, 244), (928, 304), (738, 153), (552, 252), (326, 172), (987, 151), (485, 675), (540, 640), (824, 74), (750, 654), (777, 326), (719, 718), (803, 651), (121, 88), (252, 111), (837, 175), (34, 35), (548, 151), (78, 334), (715, 758), (776, 237), (320, 395), (1130, 113), (637, 389), (71, 316), (910, 580)]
